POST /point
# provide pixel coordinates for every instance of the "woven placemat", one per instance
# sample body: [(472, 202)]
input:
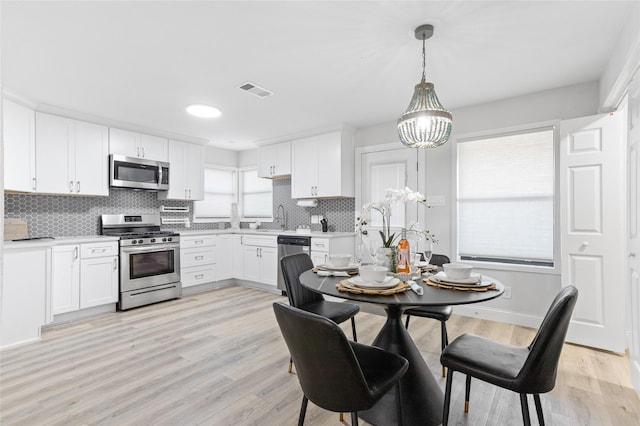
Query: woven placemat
[(349, 271), (345, 285), (480, 287)]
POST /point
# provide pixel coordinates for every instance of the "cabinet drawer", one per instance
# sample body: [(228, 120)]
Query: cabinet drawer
[(260, 240), (196, 276), (88, 251), (197, 257), (319, 244), (197, 241)]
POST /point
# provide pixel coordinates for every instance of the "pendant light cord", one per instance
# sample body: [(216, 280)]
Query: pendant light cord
[(424, 78)]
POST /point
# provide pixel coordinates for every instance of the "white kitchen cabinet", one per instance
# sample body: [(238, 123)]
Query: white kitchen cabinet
[(224, 257), (19, 133), (260, 254), (71, 156), (24, 286), (197, 259), (274, 161), (322, 166), (237, 256), (322, 248), (186, 172), (84, 276), (140, 145)]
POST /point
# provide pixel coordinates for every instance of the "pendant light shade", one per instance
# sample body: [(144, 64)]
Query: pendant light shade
[(425, 123)]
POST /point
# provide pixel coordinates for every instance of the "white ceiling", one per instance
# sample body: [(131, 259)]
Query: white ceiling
[(328, 63)]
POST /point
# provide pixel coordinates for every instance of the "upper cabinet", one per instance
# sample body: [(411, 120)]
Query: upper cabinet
[(274, 161), (322, 166), (186, 172), (19, 147), (71, 156), (133, 144)]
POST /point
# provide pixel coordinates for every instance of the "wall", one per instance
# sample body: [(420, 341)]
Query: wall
[(531, 292)]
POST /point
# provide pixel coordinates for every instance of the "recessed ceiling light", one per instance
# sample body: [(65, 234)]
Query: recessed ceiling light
[(204, 111)]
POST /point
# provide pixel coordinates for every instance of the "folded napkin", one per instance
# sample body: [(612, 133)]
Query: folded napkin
[(415, 287)]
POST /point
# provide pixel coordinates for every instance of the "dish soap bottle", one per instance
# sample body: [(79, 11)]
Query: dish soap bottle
[(403, 261)]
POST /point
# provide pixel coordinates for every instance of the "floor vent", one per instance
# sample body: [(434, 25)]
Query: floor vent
[(255, 90)]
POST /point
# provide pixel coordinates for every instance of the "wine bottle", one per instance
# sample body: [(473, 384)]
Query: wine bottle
[(403, 261)]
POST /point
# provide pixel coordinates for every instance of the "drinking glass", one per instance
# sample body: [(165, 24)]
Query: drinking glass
[(428, 250)]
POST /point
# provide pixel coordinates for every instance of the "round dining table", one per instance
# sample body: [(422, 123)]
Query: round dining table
[(421, 398)]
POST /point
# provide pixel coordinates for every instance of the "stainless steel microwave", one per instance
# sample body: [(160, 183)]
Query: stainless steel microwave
[(138, 173)]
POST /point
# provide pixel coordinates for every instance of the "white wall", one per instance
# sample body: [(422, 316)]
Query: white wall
[(220, 157), (531, 293), (248, 158)]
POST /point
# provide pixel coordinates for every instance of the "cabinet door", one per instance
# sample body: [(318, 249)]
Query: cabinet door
[(124, 142), (237, 254), (304, 168), (53, 135), (266, 161), (19, 147), (177, 173), (153, 147), (65, 282), (269, 265), (91, 159), (251, 262), (98, 281), (194, 173), (330, 165), (224, 257), (283, 159)]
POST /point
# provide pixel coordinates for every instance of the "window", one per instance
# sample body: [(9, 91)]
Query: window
[(220, 191), (506, 198), (256, 195)]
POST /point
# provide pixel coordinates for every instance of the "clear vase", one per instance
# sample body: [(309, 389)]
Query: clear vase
[(386, 256)]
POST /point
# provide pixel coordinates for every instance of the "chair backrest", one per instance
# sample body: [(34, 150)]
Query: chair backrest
[(439, 259), (327, 368), (292, 266), (541, 367)]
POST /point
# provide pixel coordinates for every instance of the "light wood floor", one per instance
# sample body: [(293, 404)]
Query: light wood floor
[(217, 358)]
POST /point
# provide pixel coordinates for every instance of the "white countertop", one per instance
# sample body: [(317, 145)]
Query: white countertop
[(27, 244), (274, 232)]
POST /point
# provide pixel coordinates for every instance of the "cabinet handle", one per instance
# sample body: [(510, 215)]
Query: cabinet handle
[(198, 241), (257, 255), (189, 194), (95, 250), (71, 186), (34, 183), (241, 240), (185, 193), (199, 257), (115, 263), (138, 149), (78, 187), (199, 276), (143, 152), (260, 252), (75, 253)]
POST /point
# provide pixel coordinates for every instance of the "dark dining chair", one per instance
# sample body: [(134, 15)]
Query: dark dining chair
[(528, 370), (294, 265), (335, 373), (440, 313)]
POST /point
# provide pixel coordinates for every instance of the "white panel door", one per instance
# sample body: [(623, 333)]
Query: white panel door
[(383, 170), (98, 281), (633, 161), (19, 147), (53, 136), (65, 281), (91, 167), (592, 226)]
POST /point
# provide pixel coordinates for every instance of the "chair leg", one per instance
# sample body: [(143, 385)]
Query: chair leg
[(290, 364), (467, 393), (536, 399), (354, 419), (406, 323), (444, 341), (303, 410), (341, 417), (353, 329), (525, 409), (400, 421), (447, 398)]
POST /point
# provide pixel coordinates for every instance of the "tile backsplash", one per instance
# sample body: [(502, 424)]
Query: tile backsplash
[(64, 216)]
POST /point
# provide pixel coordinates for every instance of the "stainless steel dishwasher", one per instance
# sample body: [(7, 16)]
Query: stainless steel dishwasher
[(291, 244)]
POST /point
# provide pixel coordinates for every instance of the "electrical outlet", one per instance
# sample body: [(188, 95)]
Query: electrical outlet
[(315, 219), (507, 292)]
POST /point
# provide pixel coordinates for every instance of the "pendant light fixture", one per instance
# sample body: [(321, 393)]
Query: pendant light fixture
[(425, 123)]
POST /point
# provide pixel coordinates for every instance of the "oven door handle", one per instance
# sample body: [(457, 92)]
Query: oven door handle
[(149, 249)]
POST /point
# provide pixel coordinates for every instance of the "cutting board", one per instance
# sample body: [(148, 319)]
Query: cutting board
[(15, 229)]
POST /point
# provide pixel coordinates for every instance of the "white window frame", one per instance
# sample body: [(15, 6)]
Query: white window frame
[(244, 218), (197, 219), (551, 270)]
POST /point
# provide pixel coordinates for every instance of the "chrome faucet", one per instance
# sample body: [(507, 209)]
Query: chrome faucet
[(282, 220)]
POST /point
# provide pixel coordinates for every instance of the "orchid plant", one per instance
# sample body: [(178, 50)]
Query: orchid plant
[(384, 208)]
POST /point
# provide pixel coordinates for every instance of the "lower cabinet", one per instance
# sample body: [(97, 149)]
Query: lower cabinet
[(84, 276), (237, 256), (224, 257), (197, 259), (260, 255), (321, 248)]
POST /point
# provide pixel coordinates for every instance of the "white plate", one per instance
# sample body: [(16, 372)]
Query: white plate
[(473, 279), (387, 283), (330, 267)]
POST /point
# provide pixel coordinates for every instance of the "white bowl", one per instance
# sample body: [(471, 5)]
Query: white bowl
[(457, 271), (340, 260), (373, 273)]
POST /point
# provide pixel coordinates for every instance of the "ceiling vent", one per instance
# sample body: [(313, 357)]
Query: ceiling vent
[(255, 90)]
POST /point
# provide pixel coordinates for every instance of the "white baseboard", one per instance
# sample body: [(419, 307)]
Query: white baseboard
[(491, 314)]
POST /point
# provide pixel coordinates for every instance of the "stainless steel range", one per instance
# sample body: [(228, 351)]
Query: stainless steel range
[(149, 259)]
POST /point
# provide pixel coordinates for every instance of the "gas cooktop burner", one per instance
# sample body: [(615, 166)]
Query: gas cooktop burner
[(147, 234)]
